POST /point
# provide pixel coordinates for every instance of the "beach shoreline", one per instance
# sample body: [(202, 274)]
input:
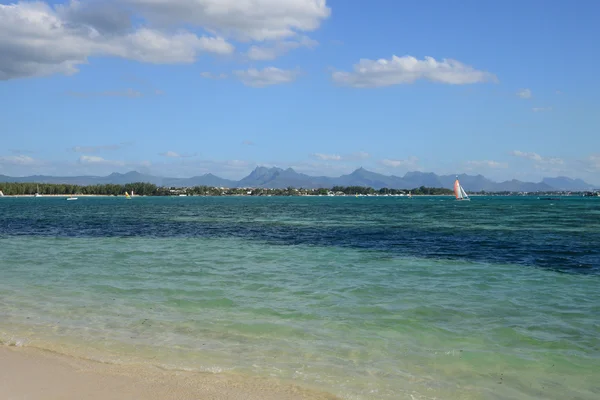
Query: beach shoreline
[(32, 374)]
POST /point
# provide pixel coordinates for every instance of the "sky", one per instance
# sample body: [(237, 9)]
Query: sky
[(507, 89)]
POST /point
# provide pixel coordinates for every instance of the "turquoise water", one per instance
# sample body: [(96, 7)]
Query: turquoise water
[(366, 298)]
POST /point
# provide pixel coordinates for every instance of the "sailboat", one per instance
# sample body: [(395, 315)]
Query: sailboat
[(37, 193), (459, 192), (1, 193), (127, 195)]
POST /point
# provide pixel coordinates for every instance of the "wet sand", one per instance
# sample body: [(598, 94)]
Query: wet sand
[(31, 374)]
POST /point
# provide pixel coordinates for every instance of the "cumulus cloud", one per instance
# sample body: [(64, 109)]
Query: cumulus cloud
[(408, 69), (100, 161), (264, 53), (38, 39), (173, 154), (524, 93), (487, 164), (409, 162), (266, 77), (257, 20), (327, 157), (537, 158)]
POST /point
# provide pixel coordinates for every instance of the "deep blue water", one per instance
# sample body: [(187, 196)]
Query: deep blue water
[(561, 234)]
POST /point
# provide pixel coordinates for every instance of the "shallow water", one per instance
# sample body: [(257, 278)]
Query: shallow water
[(367, 298)]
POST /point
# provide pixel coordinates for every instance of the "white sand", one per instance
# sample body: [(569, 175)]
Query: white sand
[(31, 374)]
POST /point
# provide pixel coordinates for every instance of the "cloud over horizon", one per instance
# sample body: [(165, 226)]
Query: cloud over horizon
[(487, 164), (537, 158), (327, 157), (410, 162), (173, 154)]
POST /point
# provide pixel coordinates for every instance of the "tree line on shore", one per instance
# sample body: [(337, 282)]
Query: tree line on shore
[(148, 189)]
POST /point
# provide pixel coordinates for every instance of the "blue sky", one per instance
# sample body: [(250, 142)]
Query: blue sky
[(185, 87)]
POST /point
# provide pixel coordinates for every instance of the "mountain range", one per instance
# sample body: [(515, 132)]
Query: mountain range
[(281, 178)]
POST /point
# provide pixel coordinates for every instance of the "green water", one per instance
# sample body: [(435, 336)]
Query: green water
[(363, 298)]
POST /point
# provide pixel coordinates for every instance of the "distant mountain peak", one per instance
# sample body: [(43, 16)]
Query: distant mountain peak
[(275, 177)]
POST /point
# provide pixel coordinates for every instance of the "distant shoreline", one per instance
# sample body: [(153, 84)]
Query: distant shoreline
[(224, 195), (62, 195)]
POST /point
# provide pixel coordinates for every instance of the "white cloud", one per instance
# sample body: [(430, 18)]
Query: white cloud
[(531, 156), (409, 162), (537, 158), (257, 20), (17, 160), (173, 154), (100, 161), (267, 76), (487, 164), (248, 143), (524, 93), (408, 69), (153, 46), (263, 53), (210, 75), (37, 39), (327, 157), (541, 109)]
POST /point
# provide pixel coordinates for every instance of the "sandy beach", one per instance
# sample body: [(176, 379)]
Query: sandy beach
[(32, 374)]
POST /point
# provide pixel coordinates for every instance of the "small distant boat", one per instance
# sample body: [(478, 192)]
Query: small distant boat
[(127, 195), (37, 193), (459, 192), (1, 193), (71, 198)]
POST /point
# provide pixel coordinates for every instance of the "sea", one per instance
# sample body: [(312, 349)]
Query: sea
[(366, 298)]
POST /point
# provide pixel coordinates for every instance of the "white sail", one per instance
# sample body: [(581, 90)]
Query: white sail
[(464, 194), (1, 193)]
